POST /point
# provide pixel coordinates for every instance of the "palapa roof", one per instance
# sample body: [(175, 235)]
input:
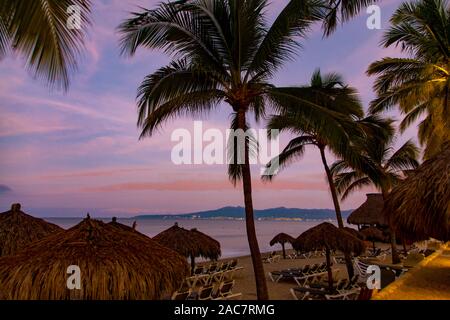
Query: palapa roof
[(419, 206), (189, 243), (372, 233), (210, 245), (18, 229), (370, 212), (114, 265), (281, 238), (326, 235), (124, 227)]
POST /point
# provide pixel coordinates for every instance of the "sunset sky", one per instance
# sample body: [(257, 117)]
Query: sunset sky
[(64, 154)]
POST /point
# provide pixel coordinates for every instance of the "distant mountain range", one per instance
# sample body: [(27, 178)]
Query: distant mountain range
[(280, 213)]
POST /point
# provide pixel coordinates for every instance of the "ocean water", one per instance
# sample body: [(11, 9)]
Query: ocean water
[(230, 233)]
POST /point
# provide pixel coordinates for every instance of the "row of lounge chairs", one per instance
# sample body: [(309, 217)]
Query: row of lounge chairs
[(272, 257), (222, 291), (216, 267), (209, 278), (291, 274), (343, 289), (307, 255)]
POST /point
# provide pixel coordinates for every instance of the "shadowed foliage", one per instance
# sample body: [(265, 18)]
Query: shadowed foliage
[(282, 238), (370, 212), (420, 83), (385, 167), (18, 229), (419, 207), (114, 264)]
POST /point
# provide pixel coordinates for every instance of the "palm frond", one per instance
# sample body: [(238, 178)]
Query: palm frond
[(40, 32), (405, 158)]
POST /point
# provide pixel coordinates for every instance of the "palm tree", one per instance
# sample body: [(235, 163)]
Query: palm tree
[(386, 170), (340, 11), (40, 32), (223, 51), (330, 92), (420, 84)]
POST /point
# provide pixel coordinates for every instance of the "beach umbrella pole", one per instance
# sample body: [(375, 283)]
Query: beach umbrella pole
[(284, 251), (192, 264)]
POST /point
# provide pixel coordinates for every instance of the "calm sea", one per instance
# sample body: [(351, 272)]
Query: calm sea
[(230, 233)]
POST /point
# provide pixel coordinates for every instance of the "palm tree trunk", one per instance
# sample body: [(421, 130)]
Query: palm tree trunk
[(337, 208), (192, 264), (284, 251), (395, 257), (330, 273), (258, 268)]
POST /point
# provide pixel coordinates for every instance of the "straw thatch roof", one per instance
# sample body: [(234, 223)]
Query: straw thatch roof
[(18, 229), (326, 235), (282, 238), (372, 233), (124, 227), (370, 212), (189, 243), (354, 233), (419, 207), (114, 264), (210, 245)]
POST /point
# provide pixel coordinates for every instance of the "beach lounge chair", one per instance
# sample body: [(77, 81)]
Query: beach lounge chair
[(228, 275), (205, 293), (276, 276), (346, 295), (198, 270), (212, 268), (305, 280), (215, 277), (361, 269), (225, 291), (233, 264), (302, 293), (177, 295)]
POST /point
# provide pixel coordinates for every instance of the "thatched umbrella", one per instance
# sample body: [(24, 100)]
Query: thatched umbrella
[(124, 227), (419, 206), (329, 237), (373, 234), (354, 233), (282, 238), (370, 212), (18, 229), (114, 264), (190, 244)]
